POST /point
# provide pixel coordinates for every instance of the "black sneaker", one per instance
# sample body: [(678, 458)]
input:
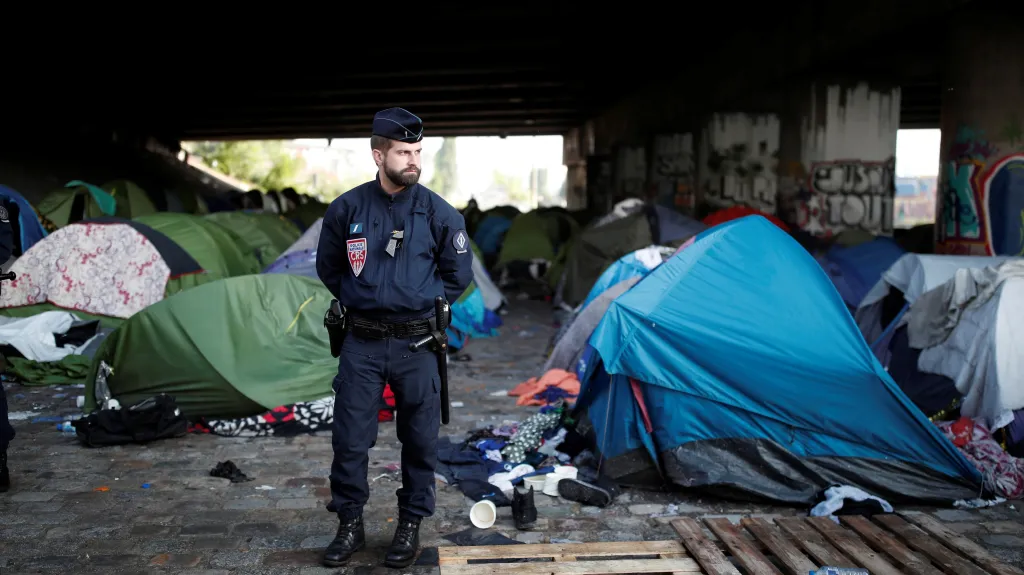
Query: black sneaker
[(584, 492)]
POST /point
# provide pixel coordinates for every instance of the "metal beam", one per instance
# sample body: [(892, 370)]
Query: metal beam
[(362, 132), (480, 115)]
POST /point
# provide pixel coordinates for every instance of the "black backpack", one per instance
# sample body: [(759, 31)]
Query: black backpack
[(149, 420)]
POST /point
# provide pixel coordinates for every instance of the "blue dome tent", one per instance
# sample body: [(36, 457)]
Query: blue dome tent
[(735, 368), (490, 232), (29, 229), (856, 269)]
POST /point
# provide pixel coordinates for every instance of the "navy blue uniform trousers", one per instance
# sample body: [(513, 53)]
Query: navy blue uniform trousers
[(364, 366)]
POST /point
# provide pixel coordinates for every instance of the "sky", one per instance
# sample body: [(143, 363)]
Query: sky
[(477, 159), (917, 153)]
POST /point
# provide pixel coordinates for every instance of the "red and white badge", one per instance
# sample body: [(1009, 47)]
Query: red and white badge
[(357, 255)]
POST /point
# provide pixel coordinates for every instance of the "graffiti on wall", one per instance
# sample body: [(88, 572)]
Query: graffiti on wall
[(672, 171), (739, 156), (850, 194), (982, 201), (848, 149)]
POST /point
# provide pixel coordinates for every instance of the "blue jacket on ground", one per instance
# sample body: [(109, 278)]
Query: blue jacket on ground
[(433, 258)]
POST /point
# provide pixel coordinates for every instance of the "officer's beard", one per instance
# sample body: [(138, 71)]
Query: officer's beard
[(406, 177)]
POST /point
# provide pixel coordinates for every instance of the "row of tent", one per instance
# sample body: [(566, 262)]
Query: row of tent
[(78, 201), (741, 364), (223, 311), (566, 251)]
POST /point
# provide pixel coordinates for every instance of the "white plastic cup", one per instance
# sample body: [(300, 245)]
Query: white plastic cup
[(551, 484), (483, 514)]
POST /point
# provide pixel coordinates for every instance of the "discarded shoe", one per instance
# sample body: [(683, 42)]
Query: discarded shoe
[(228, 470), (584, 492), (351, 537), (405, 543), (524, 510)]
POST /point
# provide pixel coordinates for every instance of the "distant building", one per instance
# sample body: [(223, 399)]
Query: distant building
[(915, 201)]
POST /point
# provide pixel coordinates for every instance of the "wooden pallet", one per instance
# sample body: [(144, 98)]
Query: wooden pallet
[(915, 543), (569, 558)]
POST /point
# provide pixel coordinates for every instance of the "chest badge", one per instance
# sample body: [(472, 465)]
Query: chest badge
[(357, 255), (355, 229)]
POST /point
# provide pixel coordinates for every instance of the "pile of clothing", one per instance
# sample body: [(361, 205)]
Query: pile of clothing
[(554, 385), (491, 462)]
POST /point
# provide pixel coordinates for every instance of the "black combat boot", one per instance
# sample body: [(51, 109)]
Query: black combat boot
[(350, 538), (524, 510), (5, 474), (405, 544)]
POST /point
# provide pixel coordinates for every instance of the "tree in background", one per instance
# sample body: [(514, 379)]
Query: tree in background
[(266, 164), (515, 190), (446, 174)]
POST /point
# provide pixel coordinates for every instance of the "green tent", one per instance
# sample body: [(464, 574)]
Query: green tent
[(75, 202), (132, 201), (226, 349), (219, 250), (537, 235), (192, 202), (269, 235), (307, 213), (596, 248)]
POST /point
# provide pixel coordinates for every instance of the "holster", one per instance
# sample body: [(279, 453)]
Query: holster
[(334, 321)]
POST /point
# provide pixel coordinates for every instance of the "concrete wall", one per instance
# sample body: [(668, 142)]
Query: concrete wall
[(672, 171), (980, 207), (738, 160), (838, 158)]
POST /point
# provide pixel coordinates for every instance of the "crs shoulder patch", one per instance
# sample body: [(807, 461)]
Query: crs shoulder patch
[(460, 241), (3, 214)]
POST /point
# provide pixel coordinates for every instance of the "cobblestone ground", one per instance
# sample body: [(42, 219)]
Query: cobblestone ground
[(56, 520)]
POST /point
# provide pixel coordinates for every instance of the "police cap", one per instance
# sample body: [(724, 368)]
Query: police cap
[(398, 124)]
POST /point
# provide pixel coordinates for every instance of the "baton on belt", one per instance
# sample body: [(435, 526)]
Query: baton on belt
[(440, 339)]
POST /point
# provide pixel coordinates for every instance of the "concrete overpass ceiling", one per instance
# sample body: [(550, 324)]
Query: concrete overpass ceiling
[(505, 69)]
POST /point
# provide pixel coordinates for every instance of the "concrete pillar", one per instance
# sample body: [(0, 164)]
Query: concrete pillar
[(630, 172), (737, 158), (838, 157), (980, 200), (672, 172)]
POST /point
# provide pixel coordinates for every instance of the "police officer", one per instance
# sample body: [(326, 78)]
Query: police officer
[(387, 249), (6, 431)]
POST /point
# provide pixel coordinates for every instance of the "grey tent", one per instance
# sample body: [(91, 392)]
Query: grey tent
[(599, 246), (570, 343)]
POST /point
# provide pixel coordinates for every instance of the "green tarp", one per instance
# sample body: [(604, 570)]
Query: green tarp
[(269, 235), (221, 252), (226, 349)]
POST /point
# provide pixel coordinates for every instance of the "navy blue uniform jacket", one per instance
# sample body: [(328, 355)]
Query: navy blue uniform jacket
[(434, 258)]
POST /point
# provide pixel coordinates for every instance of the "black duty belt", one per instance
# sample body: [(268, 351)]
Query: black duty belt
[(372, 329)]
